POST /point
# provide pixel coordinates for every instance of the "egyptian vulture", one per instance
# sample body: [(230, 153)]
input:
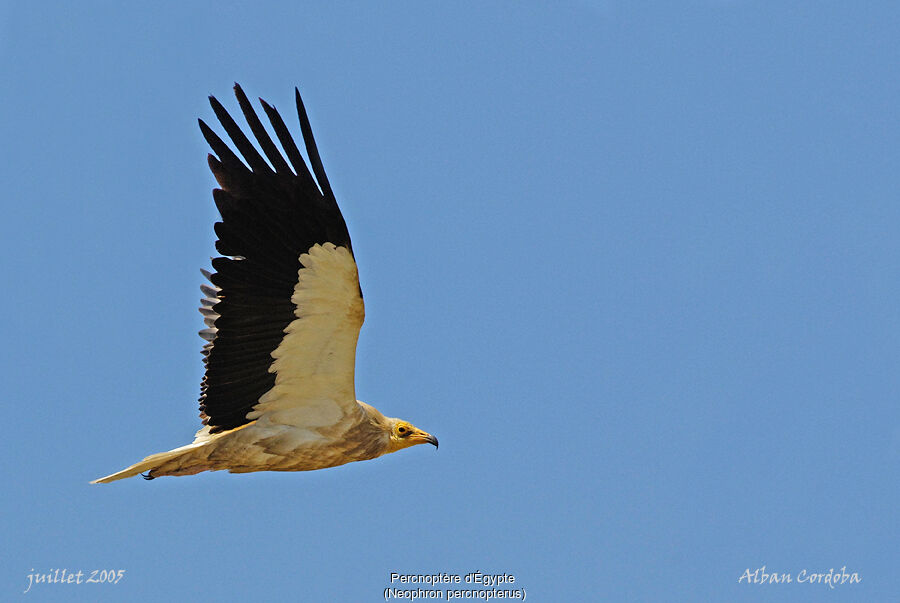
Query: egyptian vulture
[(283, 314)]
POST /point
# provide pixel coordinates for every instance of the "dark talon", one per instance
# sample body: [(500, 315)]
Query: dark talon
[(148, 476)]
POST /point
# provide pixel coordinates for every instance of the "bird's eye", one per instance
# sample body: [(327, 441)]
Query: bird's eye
[(401, 430)]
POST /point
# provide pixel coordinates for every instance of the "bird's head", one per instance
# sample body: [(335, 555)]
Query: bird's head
[(405, 434)]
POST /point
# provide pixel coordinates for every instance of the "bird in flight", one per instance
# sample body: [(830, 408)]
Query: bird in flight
[(283, 312)]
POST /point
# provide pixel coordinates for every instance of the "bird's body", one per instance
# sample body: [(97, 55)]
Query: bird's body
[(273, 447), (283, 318)]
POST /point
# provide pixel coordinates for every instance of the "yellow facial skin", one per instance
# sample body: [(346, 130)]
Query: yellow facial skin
[(404, 435)]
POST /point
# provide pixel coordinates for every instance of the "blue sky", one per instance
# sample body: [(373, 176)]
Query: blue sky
[(635, 264)]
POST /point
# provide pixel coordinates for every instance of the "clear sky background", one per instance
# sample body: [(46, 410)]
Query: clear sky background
[(635, 264)]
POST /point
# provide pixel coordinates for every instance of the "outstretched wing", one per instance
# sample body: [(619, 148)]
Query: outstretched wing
[(285, 308)]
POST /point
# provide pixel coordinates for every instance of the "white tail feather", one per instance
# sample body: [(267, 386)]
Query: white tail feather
[(149, 463)]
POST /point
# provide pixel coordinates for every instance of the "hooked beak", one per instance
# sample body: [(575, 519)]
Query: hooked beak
[(422, 438)]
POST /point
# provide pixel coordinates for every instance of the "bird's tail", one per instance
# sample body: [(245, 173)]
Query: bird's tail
[(173, 462)]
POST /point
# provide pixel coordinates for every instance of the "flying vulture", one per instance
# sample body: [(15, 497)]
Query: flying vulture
[(283, 312)]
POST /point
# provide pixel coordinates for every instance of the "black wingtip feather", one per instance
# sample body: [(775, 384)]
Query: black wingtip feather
[(288, 144), (220, 148), (243, 144), (260, 133), (311, 150)]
